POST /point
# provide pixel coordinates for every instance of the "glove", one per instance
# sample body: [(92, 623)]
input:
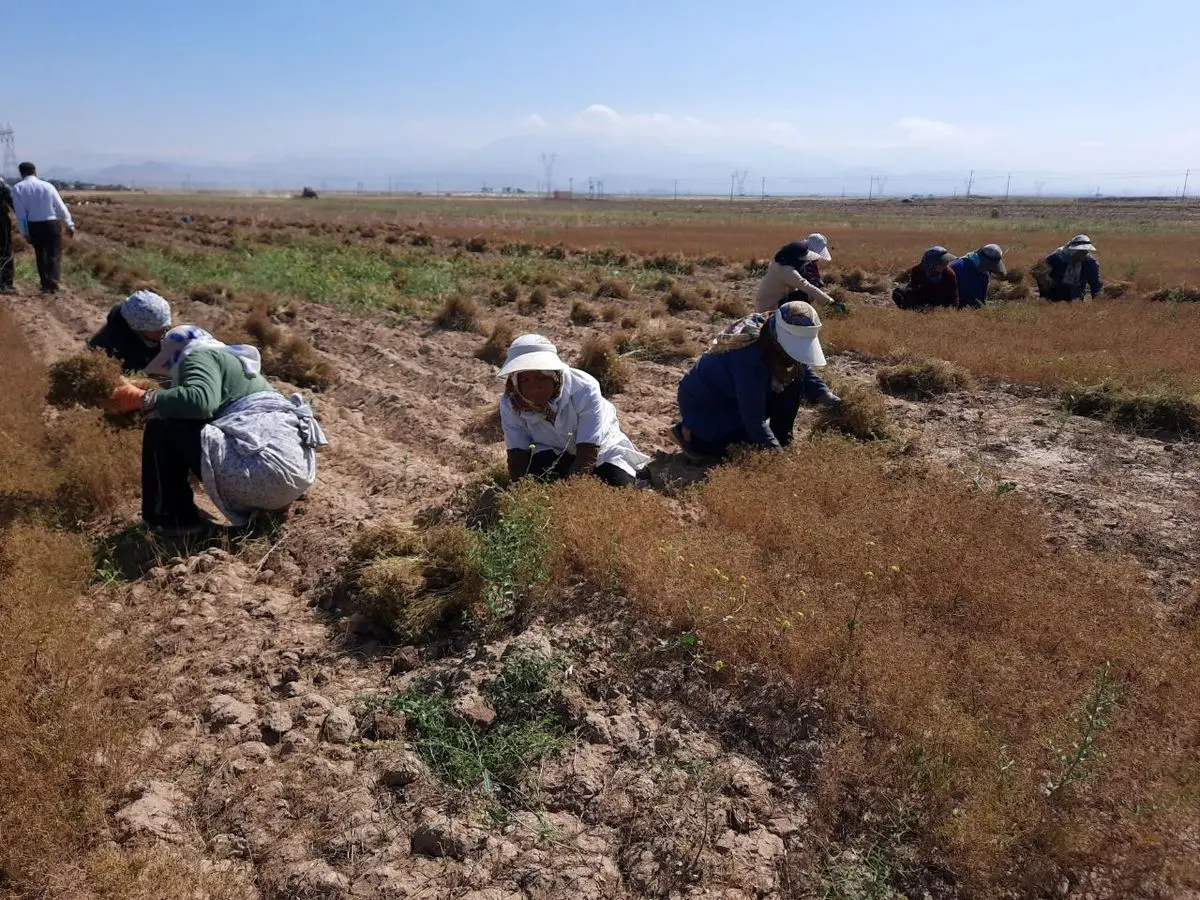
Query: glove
[(126, 398), (830, 399)]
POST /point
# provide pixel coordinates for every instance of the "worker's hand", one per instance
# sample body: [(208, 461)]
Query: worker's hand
[(830, 399), (70, 232), (127, 398)]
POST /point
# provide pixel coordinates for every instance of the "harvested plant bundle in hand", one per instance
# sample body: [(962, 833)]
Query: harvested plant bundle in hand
[(87, 379)]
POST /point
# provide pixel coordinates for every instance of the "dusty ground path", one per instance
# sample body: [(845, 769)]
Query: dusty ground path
[(255, 759)]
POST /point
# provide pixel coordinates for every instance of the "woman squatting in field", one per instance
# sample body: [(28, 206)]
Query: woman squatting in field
[(792, 271), (221, 421), (1072, 271), (556, 422), (931, 282), (748, 387)]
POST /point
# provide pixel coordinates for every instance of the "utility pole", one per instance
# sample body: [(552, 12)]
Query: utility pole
[(1186, 176), (970, 182), (676, 188), (571, 186), (548, 160), (732, 181), (871, 190), (1007, 185), (762, 194)]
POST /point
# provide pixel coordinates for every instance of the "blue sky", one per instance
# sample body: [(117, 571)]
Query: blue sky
[(1106, 87)]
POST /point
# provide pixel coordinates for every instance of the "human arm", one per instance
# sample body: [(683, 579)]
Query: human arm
[(18, 205), (1092, 275), (751, 386), (517, 439), (798, 282), (198, 392), (589, 403), (60, 209)]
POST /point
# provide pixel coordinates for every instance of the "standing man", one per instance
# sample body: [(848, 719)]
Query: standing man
[(6, 241), (41, 215)]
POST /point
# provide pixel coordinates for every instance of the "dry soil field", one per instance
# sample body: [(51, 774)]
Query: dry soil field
[(957, 660)]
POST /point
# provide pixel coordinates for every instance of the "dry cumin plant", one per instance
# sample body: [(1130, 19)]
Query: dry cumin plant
[(495, 348), (1146, 345), (458, 313), (285, 354), (1017, 711), (64, 708), (87, 379), (600, 359), (922, 379)]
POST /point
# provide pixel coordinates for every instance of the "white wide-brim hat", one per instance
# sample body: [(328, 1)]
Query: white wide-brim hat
[(819, 244), (797, 327), (1081, 242), (531, 353)]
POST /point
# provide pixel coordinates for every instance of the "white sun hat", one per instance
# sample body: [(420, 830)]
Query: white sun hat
[(819, 245), (1081, 242), (796, 328), (531, 353)]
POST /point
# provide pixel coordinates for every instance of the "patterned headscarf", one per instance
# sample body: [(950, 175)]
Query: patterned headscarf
[(146, 311), (184, 340), (931, 259)]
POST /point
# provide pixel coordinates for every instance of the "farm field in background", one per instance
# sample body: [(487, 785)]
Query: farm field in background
[(955, 661)]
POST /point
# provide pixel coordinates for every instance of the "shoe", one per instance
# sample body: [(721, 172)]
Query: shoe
[(680, 438), (8, 289)]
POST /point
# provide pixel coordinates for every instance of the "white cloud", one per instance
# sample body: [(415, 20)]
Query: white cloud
[(920, 130), (531, 122)]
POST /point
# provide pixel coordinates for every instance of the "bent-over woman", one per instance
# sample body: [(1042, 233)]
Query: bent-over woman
[(748, 388), (785, 274), (220, 420), (556, 422), (931, 282), (133, 330)]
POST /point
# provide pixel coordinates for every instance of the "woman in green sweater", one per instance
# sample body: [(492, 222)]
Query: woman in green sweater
[(223, 422)]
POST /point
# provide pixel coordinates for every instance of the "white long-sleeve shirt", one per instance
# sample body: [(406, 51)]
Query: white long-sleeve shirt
[(35, 200), (581, 416), (780, 281)]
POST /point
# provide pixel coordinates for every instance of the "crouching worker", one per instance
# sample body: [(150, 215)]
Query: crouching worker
[(556, 423), (748, 388), (931, 282), (794, 269), (973, 274), (133, 330), (221, 421), (1071, 271)]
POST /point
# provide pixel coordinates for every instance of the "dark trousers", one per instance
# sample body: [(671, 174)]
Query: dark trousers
[(550, 465), (6, 250), (170, 452), (46, 238), (782, 408)]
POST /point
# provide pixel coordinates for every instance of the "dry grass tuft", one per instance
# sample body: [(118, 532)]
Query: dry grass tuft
[(922, 379), (1165, 295), (731, 308), (212, 295), (387, 538), (509, 293), (658, 341), (458, 313), (87, 379), (600, 359), (538, 299), (1161, 412), (864, 283), (285, 354), (612, 289), (583, 313), (430, 577), (950, 657), (682, 300), (862, 414), (495, 348)]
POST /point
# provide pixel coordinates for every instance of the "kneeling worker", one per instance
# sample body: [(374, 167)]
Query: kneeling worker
[(556, 422), (749, 387)]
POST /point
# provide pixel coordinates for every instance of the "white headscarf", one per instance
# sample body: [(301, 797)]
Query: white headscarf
[(183, 340)]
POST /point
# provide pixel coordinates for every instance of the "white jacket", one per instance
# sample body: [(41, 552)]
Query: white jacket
[(581, 416), (780, 281)]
